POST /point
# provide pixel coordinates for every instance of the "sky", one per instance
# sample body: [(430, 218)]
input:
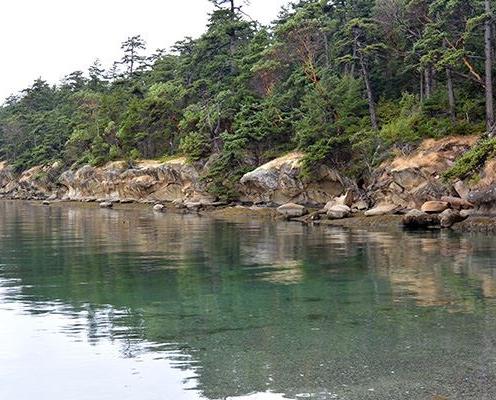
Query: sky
[(51, 38)]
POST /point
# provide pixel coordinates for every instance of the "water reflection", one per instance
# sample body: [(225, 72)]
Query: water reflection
[(257, 309)]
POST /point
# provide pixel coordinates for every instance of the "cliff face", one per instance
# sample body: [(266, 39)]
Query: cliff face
[(405, 181), (408, 181), (280, 181), (146, 181)]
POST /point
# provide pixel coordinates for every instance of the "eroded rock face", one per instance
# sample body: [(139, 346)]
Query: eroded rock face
[(147, 181), (39, 182), (411, 180), (279, 182)]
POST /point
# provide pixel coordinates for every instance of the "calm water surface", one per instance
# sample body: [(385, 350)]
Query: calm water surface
[(102, 304)]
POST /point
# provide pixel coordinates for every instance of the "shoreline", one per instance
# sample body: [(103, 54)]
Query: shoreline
[(240, 213)]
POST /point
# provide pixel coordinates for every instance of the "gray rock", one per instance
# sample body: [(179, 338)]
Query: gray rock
[(461, 189), (159, 208), (483, 196), (467, 213), (361, 205), (339, 212), (178, 203), (106, 204), (292, 210), (383, 209), (420, 219), (193, 205), (450, 217), (280, 181)]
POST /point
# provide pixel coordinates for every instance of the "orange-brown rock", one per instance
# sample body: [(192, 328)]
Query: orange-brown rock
[(434, 207)]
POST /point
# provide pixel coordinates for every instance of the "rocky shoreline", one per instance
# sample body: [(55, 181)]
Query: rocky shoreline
[(406, 190)]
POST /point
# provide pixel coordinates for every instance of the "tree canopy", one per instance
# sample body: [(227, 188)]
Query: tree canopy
[(343, 81)]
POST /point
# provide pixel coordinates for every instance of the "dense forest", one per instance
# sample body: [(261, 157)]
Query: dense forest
[(347, 82)]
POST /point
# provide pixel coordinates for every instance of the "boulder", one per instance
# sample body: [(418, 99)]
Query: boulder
[(292, 210), (382, 209), (159, 208), (457, 203), (434, 207), (346, 199), (483, 196), (467, 213), (193, 205), (450, 217), (106, 204), (46, 203), (361, 205), (338, 212), (419, 219), (280, 181), (461, 189)]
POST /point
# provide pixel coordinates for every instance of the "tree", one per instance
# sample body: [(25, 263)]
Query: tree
[(132, 58), (362, 43), (488, 51)]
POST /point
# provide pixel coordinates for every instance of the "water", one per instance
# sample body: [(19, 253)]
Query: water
[(101, 304)]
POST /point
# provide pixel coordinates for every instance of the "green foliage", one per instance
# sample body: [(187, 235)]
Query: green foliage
[(470, 162), (195, 146), (242, 94)]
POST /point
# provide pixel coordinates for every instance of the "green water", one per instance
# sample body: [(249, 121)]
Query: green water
[(101, 304)]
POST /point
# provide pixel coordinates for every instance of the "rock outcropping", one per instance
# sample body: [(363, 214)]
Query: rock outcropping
[(411, 180), (406, 182), (280, 181), (145, 181)]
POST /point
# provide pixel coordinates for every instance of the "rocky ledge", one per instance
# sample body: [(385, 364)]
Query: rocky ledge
[(408, 185)]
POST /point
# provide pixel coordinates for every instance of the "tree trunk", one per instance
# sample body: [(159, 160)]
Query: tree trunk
[(370, 96), (451, 95), (232, 39), (352, 72), (427, 77), (421, 86), (488, 67)]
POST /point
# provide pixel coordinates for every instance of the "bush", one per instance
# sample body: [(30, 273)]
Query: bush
[(194, 146), (470, 163)]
